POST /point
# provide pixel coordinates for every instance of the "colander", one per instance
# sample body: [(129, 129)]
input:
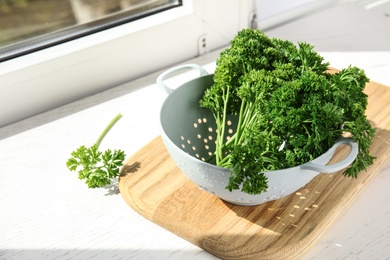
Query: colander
[(189, 131)]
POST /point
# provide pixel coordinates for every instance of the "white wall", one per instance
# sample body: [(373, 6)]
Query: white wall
[(271, 13), (268, 8)]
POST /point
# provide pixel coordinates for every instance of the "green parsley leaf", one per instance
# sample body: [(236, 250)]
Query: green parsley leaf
[(95, 167)]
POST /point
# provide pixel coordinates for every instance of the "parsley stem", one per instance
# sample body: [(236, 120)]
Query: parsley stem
[(108, 127)]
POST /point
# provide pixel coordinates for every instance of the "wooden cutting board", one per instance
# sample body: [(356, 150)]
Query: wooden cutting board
[(286, 228)]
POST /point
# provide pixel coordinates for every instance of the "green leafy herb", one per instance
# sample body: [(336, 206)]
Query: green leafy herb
[(290, 110), (95, 167)]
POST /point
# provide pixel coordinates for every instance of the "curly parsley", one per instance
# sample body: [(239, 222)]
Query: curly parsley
[(95, 167), (290, 109)]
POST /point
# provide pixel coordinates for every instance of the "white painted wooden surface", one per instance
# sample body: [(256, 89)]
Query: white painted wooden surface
[(47, 213)]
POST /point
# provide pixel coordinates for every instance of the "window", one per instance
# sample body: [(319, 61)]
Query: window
[(28, 25), (50, 77)]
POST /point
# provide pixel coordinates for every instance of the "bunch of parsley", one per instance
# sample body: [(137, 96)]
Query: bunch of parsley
[(290, 109), (95, 167)]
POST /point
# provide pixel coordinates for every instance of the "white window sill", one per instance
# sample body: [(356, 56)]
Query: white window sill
[(49, 210)]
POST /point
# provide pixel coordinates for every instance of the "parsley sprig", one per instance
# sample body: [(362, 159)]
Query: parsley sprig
[(95, 167)]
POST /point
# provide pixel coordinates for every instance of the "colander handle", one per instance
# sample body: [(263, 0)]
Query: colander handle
[(160, 78), (336, 166)]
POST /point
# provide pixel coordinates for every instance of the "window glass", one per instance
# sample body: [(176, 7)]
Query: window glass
[(30, 25)]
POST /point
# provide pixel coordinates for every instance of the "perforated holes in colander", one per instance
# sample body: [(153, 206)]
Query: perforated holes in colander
[(196, 143), (201, 142)]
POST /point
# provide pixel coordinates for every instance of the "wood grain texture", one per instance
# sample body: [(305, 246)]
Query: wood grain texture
[(286, 228)]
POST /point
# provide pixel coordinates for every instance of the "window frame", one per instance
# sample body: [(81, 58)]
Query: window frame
[(58, 75), (76, 31)]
